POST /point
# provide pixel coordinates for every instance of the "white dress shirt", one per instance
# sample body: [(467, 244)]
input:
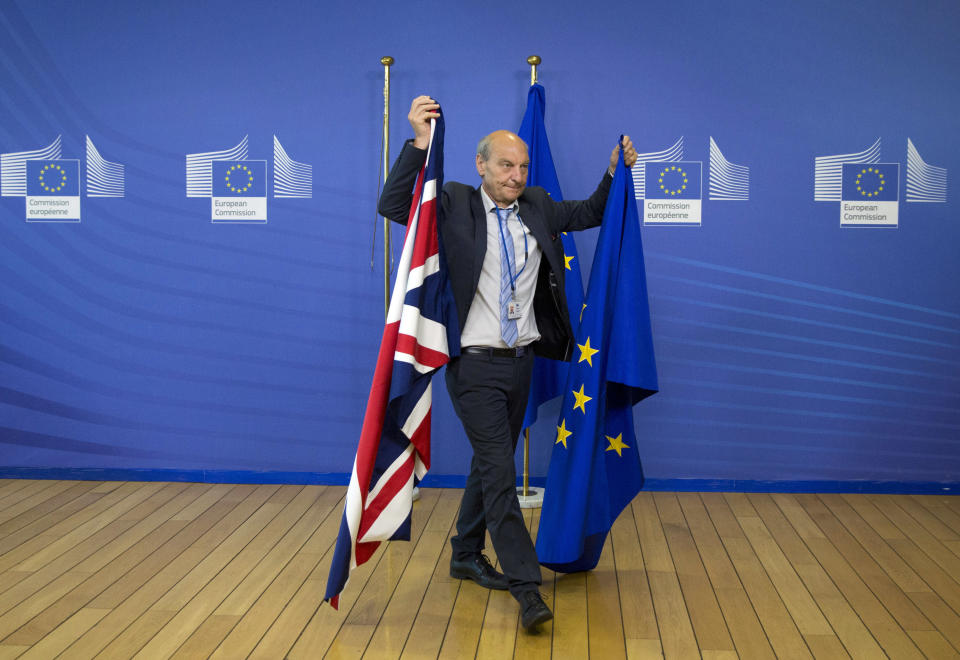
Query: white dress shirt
[(482, 327)]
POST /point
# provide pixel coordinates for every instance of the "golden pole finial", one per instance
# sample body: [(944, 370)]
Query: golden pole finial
[(386, 61), (534, 62)]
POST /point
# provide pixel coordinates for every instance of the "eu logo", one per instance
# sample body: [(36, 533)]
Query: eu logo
[(53, 178), (239, 178), (672, 180), (876, 182)]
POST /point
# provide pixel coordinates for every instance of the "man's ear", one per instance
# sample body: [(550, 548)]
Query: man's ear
[(481, 165)]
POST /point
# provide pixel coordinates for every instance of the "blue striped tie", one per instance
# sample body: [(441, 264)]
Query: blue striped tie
[(508, 327)]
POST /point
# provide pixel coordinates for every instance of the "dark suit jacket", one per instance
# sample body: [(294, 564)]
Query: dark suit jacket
[(463, 233)]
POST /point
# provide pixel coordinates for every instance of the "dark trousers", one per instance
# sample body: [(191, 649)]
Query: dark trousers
[(489, 395)]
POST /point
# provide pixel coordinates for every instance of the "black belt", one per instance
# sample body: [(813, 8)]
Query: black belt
[(489, 351)]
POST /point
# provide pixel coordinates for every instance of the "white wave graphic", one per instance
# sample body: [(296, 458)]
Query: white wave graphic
[(925, 183), (639, 175), (828, 172), (290, 178), (728, 182), (200, 170), (13, 168), (104, 179)]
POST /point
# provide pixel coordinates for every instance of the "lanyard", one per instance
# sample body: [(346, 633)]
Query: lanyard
[(506, 252)]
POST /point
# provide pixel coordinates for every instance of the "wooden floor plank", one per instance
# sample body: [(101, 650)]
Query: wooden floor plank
[(673, 619), (102, 538), (847, 625), (745, 628), (8, 486), (205, 637), (902, 512), (23, 499), (924, 553), (124, 569), (940, 507), (867, 606), (934, 645), (202, 590), (430, 624), (130, 598), (604, 617), (53, 517), (796, 597), (349, 632), (54, 644), (705, 614), (892, 564), (257, 619), (900, 606), (110, 562), (570, 634), (397, 619), (914, 505), (638, 618)]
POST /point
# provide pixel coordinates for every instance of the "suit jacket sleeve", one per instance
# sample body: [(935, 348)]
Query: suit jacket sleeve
[(397, 194), (581, 214)]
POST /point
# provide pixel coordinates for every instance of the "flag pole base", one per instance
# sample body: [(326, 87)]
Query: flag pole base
[(416, 493), (532, 500)]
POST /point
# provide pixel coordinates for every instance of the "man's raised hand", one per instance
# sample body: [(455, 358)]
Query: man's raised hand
[(422, 110), (629, 155)]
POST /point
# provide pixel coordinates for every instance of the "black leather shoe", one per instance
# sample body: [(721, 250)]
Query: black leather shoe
[(480, 571), (533, 611)]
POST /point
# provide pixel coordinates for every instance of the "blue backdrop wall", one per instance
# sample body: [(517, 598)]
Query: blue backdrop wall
[(793, 342)]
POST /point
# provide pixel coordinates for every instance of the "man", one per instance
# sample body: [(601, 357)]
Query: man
[(506, 268)]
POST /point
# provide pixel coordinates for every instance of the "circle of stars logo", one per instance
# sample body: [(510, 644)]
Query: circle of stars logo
[(239, 185), (49, 180), (870, 173), (677, 175)]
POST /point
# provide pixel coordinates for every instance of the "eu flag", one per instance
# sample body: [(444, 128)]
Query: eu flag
[(548, 375), (673, 180), (595, 467), (56, 178), (870, 182), (239, 178)]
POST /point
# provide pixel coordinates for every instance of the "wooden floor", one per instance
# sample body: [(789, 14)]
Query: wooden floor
[(154, 570)]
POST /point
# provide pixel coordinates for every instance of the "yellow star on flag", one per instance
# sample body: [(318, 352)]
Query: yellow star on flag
[(581, 400), (566, 261), (582, 310), (563, 433), (586, 353), (616, 444)]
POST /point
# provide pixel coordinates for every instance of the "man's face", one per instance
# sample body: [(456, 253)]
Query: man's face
[(504, 174)]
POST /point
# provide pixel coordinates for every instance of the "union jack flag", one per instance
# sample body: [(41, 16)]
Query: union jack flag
[(420, 335)]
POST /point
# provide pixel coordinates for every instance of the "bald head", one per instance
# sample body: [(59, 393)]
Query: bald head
[(502, 164), (503, 137)]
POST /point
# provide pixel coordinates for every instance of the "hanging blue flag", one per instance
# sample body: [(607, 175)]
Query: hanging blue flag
[(548, 375), (595, 467)]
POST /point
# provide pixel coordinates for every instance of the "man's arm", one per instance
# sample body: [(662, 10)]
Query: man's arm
[(577, 215), (397, 194)]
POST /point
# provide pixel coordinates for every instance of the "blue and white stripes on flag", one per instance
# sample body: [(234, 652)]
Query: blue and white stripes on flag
[(595, 467), (548, 375), (420, 336)]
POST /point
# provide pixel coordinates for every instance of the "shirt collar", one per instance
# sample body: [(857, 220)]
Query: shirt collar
[(489, 205)]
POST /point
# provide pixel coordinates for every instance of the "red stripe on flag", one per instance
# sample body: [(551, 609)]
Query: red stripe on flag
[(393, 486), (425, 245), (365, 550), (407, 345), (376, 409)]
